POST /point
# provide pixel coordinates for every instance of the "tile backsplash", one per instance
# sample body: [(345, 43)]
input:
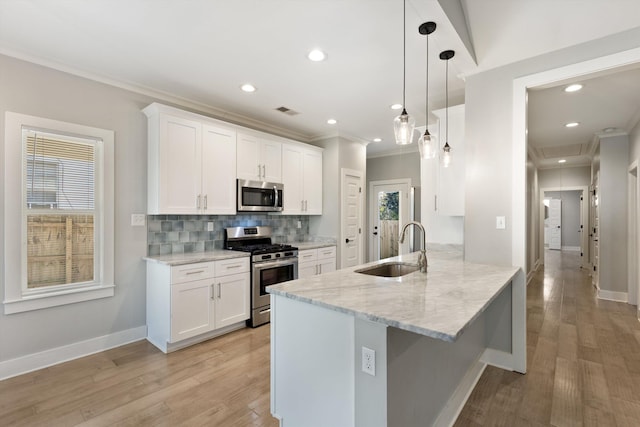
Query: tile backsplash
[(172, 234)]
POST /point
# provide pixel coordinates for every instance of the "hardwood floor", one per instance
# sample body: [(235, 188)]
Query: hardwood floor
[(221, 382), (583, 370), (583, 359)]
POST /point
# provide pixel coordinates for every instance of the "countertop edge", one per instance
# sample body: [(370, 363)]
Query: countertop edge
[(195, 257)]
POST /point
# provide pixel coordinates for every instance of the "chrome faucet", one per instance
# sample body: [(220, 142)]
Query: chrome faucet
[(422, 258)]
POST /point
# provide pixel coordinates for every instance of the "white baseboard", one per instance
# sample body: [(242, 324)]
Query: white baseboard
[(612, 295), (450, 412), (32, 362)]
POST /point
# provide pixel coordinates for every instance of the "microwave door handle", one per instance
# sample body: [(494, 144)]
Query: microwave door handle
[(275, 192)]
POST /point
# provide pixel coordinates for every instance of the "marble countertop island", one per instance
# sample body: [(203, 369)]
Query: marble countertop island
[(358, 350), (439, 304)]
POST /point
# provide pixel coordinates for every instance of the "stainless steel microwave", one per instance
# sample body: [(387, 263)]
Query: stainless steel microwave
[(258, 196)]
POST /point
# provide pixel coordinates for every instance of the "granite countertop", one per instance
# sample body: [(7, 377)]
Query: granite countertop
[(311, 245), (438, 304), (193, 257)]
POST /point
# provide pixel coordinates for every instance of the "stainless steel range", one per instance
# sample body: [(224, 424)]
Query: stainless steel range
[(271, 263)]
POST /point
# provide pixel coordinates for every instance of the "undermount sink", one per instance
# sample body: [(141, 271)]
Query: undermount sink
[(389, 269)]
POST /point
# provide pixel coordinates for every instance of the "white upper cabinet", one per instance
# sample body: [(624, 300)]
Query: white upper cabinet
[(259, 159), (218, 170), (450, 180), (191, 164), (302, 179)]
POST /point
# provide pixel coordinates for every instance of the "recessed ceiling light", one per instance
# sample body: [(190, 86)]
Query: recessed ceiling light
[(377, 139), (562, 161), (248, 87), (571, 125), (332, 121), (573, 88), (316, 55), (396, 106)]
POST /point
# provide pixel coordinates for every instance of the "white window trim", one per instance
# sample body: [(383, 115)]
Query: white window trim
[(16, 300)]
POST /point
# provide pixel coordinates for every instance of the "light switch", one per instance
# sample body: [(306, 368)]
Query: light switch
[(501, 223), (138, 220)]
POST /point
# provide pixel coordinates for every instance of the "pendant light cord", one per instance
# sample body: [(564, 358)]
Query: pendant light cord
[(446, 84), (404, 53), (426, 101)]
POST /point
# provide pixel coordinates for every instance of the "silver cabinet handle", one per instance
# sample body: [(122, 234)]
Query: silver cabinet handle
[(205, 202), (198, 202), (306, 205), (219, 290), (302, 205), (212, 292), (233, 266), (259, 172), (194, 272), (264, 171)]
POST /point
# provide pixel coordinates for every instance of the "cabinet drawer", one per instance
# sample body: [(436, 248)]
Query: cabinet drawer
[(191, 272), (326, 253), (307, 255), (232, 266)]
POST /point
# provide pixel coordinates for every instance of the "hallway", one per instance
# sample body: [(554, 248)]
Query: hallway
[(583, 358)]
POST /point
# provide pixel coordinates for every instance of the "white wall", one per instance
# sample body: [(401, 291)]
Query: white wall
[(39, 91), (489, 151)]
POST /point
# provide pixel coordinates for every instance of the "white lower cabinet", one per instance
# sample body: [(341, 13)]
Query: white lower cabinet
[(193, 302), (312, 262)]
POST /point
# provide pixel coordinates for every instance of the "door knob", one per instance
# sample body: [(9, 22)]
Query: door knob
[(375, 233), (347, 240)]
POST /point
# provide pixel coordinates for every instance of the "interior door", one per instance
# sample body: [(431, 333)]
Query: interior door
[(389, 212), (555, 224), (351, 253)]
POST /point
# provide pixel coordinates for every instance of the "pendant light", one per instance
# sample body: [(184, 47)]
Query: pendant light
[(427, 144), (446, 150), (404, 124)]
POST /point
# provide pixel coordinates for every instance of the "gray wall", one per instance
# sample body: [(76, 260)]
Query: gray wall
[(634, 143), (489, 136), (397, 166), (565, 177), (338, 153), (570, 215), (38, 91), (614, 160)]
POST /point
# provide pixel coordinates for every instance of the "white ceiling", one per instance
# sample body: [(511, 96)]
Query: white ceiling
[(198, 52)]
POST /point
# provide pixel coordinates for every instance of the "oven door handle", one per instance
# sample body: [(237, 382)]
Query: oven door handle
[(263, 265), (275, 192)]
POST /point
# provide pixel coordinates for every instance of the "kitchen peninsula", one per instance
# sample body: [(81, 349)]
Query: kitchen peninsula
[(426, 337)]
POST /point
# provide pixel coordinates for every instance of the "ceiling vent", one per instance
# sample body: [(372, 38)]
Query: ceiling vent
[(287, 111)]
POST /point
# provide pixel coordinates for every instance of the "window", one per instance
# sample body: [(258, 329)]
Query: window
[(59, 215)]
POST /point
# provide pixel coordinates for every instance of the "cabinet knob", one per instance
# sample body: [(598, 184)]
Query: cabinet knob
[(347, 240)]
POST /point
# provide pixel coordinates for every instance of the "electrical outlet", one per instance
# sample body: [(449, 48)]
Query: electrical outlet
[(138, 220), (369, 361), (299, 224), (210, 226), (501, 223)]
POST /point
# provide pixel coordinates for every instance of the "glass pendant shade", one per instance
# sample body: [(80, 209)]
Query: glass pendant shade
[(403, 127), (446, 155), (428, 146)]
